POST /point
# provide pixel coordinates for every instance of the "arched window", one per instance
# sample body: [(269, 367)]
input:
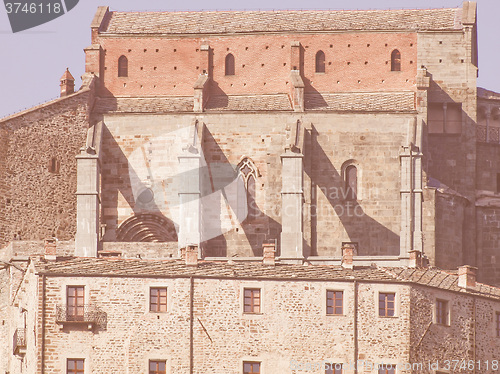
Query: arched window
[(351, 182), (395, 60), (123, 66), (247, 176), (320, 62), (229, 64)]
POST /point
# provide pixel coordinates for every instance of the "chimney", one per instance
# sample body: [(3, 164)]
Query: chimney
[(50, 247), (467, 277), (67, 84), (269, 253), (192, 255), (415, 259), (347, 255)]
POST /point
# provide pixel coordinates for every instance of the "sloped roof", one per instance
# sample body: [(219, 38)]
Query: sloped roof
[(98, 267), (366, 101), (216, 22)]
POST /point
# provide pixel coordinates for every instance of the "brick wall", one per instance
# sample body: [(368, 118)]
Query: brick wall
[(170, 66)]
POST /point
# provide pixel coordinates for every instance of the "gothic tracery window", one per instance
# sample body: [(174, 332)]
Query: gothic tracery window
[(247, 176)]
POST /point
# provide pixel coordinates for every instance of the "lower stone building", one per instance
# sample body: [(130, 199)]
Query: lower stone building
[(117, 315)]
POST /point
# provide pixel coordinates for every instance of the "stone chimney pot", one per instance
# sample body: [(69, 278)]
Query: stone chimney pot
[(467, 276)]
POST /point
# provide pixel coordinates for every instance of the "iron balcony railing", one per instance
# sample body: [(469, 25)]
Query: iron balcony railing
[(19, 343), (89, 314)]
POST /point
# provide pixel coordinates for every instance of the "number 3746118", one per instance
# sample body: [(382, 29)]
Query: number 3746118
[(33, 8)]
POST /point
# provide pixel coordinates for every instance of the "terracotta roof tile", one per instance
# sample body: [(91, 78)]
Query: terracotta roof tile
[(369, 101), (249, 103), (284, 21), (145, 105)]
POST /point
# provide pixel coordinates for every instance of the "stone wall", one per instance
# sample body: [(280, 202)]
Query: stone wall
[(141, 151), (39, 177), (293, 319), (470, 334)]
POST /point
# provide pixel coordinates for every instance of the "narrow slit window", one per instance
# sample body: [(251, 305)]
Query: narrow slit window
[(351, 182), (395, 60), (498, 182), (123, 66), (230, 64), (320, 62)]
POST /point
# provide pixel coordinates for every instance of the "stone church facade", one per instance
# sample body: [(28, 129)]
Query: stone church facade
[(339, 147)]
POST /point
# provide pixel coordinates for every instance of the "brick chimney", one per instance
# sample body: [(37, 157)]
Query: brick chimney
[(415, 259), (467, 276), (67, 84), (348, 255), (50, 249), (192, 255), (269, 253)]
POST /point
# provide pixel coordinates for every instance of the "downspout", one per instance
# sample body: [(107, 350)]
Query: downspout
[(43, 323), (412, 199), (191, 316), (355, 327)]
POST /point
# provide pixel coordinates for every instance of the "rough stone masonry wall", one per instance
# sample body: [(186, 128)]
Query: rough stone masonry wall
[(452, 158), (488, 237), (38, 203), (449, 231), (471, 324), (293, 320), (139, 151), (170, 66)]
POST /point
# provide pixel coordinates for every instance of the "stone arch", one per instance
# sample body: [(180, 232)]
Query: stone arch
[(147, 227)]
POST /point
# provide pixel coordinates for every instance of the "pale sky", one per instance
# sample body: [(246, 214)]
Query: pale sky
[(33, 61)]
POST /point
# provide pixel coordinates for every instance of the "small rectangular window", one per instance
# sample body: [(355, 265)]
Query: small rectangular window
[(442, 312), (75, 303), (332, 368), (386, 304), (75, 366), (157, 367), (334, 302), (387, 369), (251, 302), (158, 299), (251, 367)]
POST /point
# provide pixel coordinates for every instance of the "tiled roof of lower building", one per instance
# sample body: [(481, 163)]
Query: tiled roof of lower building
[(281, 21), (118, 267), (367, 101), (145, 105)]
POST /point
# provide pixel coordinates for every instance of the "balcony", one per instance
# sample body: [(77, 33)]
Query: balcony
[(488, 134), (89, 315), (19, 342)]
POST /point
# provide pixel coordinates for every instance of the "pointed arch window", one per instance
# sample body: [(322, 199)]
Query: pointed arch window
[(395, 60), (320, 62), (351, 182), (247, 177), (123, 66), (229, 64)]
